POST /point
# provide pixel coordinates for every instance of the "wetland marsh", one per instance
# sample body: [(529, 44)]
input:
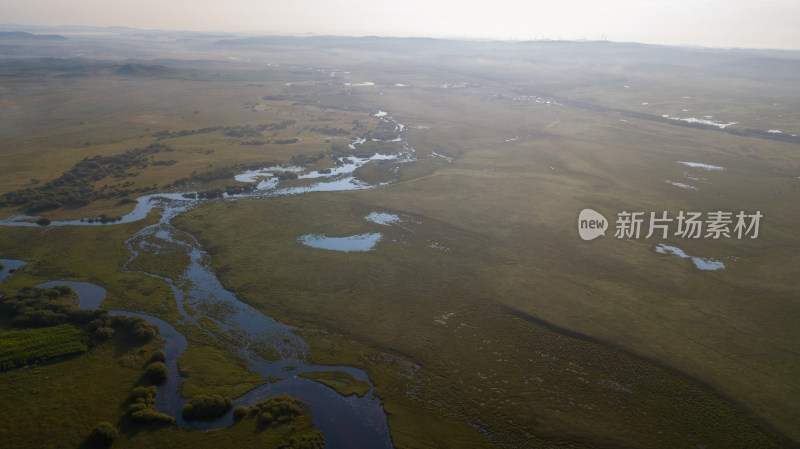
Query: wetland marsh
[(386, 253)]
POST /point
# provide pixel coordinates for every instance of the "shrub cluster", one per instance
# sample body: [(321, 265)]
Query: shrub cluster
[(301, 159), (206, 407), (328, 131), (156, 373), (158, 356), (40, 307), (240, 412), (103, 435), (142, 411), (310, 439), (75, 187), (46, 307), (283, 176), (229, 131), (104, 325), (278, 409), (206, 177)]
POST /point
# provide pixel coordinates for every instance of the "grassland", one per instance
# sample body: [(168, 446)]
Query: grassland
[(471, 351), (68, 398), (91, 256), (210, 370), (481, 318), (344, 383)]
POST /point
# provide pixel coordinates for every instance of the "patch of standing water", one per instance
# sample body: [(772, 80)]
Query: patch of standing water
[(703, 166), (383, 218), (338, 178), (682, 185), (9, 267), (346, 422), (173, 203), (705, 122), (699, 262), (255, 175), (361, 242)]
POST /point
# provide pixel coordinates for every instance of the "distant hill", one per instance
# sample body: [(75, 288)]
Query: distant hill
[(81, 67), (23, 36), (132, 69), (760, 68)]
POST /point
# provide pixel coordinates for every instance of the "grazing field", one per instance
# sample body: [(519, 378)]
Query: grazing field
[(479, 315), (344, 383)]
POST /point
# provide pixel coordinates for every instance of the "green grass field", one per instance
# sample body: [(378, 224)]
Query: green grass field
[(480, 317), (20, 348), (344, 383)]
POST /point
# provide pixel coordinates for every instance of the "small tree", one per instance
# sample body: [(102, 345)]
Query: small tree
[(240, 412), (103, 434), (144, 331), (157, 372), (158, 356), (206, 407)]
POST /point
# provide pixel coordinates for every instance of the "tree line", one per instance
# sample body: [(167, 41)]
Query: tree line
[(75, 187)]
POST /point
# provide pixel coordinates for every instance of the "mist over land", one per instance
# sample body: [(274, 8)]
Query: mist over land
[(443, 178)]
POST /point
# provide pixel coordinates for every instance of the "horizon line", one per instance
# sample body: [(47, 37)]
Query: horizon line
[(309, 34)]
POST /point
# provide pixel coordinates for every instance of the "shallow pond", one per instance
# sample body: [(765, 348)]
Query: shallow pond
[(383, 218), (702, 166), (361, 242), (9, 267), (699, 262)]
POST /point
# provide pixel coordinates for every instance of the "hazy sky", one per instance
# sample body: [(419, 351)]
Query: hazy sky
[(718, 23)]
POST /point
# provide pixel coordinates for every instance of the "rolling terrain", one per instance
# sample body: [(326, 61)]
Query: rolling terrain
[(479, 315)]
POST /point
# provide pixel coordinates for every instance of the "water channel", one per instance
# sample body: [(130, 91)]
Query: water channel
[(346, 421)]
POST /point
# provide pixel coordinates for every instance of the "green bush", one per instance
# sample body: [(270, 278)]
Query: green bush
[(158, 356), (77, 315), (149, 415), (240, 412), (141, 409), (206, 407), (278, 409), (103, 333), (311, 439), (103, 434), (143, 393), (40, 307), (76, 187), (156, 372), (265, 418), (137, 407), (145, 331)]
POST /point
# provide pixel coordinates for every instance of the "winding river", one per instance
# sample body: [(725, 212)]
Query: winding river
[(346, 421)]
